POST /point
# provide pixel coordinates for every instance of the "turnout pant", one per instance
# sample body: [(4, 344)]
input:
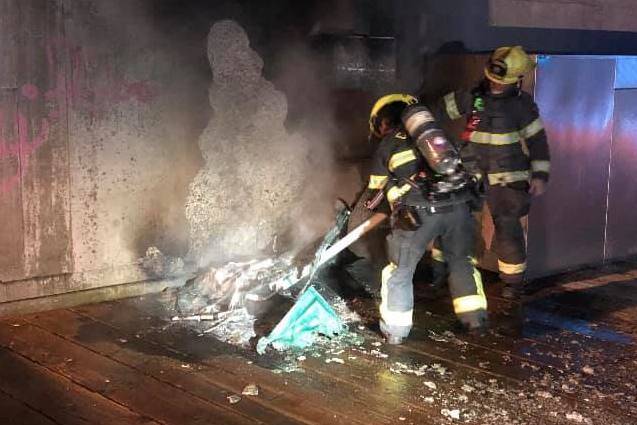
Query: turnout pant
[(456, 232), (508, 206)]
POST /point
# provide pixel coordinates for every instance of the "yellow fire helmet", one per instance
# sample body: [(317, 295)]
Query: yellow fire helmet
[(508, 64), (407, 99)]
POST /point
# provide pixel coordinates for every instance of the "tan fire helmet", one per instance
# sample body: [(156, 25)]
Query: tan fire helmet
[(507, 65)]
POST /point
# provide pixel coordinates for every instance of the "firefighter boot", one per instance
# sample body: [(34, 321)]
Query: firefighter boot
[(513, 292), (475, 322), (512, 323), (513, 286)]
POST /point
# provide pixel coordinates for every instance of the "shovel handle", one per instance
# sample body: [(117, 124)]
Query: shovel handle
[(352, 237)]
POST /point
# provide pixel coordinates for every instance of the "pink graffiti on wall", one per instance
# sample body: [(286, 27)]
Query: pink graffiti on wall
[(22, 135)]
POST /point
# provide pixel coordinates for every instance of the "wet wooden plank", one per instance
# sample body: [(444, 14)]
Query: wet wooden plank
[(60, 399), (140, 315), (167, 366), (423, 381), (11, 225), (425, 395), (547, 366), (14, 412), (44, 150), (115, 381), (563, 368), (316, 375), (313, 392), (515, 371)]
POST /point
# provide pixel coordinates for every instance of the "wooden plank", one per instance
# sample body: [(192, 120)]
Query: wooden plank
[(14, 412), (299, 396), (115, 381), (61, 400), (167, 366), (301, 399), (128, 313), (526, 360), (11, 225), (548, 366), (44, 150), (316, 374)]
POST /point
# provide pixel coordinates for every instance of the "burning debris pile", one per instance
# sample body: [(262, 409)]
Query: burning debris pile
[(231, 298)]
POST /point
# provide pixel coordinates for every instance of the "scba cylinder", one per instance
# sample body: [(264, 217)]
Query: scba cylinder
[(440, 153)]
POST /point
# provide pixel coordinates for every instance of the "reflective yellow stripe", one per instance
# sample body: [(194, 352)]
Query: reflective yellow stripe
[(544, 166), (396, 192), (377, 182), (392, 318), (401, 158), (437, 255), (508, 177), (469, 303), (452, 106), (495, 138), (532, 129), (507, 268), (387, 272), (477, 279)]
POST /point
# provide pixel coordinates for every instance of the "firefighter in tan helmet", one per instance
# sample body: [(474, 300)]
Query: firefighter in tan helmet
[(505, 142)]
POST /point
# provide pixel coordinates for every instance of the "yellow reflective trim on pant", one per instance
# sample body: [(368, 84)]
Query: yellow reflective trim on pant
[(532, 129), (401, 158), (377, 182), (495, 138), (544, 166), (451, 106), (508, 177), (477, 279), (437, 255), (391, 318), (386, 273), (507, 268), (469, 303), (396, 192)]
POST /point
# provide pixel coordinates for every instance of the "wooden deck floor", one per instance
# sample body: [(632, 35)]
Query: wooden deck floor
[(124, 362)]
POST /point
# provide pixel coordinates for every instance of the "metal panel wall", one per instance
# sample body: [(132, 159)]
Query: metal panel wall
[(621, 230), (566, 225)]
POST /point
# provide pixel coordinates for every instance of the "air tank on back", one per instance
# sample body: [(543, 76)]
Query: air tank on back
[(439, 152)]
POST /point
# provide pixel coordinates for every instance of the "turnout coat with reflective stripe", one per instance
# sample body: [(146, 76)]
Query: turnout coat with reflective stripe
[(509, 142), (395, 161)]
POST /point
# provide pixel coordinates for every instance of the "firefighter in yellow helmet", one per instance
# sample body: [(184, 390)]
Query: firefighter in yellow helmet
[(421, 175), (505, 141)]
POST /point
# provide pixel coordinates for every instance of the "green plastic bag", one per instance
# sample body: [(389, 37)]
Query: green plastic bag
[(309, 316)]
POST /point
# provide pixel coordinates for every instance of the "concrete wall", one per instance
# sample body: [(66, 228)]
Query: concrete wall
[(607, 15), (102, 104), (98, 125)]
